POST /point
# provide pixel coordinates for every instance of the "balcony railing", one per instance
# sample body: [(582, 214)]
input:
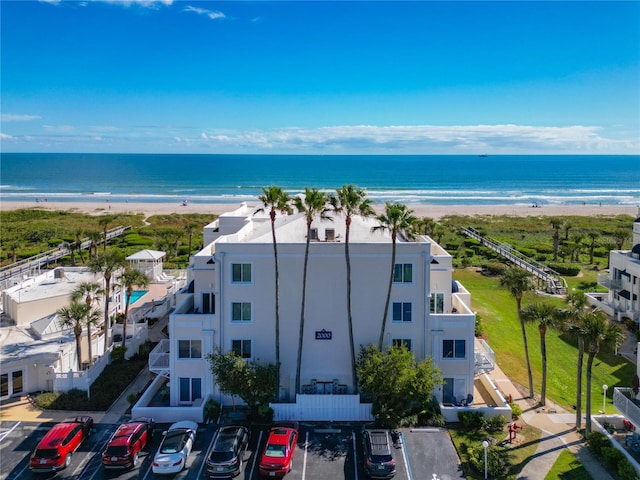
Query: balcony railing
[(606, 282), (485, 359), (159, 358), (626, 404)]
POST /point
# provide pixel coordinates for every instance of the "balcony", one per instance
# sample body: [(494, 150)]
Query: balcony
[(626, 404), (485, 359), (159, 358), (606, 282)]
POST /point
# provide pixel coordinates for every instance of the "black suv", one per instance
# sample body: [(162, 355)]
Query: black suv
[(378, 459), (226, 455)]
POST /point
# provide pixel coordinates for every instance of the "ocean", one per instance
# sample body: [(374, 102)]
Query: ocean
[(409, 179)]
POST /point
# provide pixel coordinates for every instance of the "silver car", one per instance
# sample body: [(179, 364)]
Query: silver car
[(175, 447)]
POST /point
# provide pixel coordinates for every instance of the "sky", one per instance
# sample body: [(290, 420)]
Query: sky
[(304, 77)]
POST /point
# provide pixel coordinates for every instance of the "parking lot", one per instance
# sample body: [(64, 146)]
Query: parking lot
[(323, 452)]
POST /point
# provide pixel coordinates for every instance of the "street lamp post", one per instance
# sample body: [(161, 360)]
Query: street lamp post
[(485, 445), (604, 396)]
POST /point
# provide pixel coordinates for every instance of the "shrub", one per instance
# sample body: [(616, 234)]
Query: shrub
[(569, 269), (132, 398), (211, 410), (626, 470), (516, 410), (117, 354), (471, 420), (611, 455), (597, 441), (495, 459), (494, 268), (479, 327), (495, 424)]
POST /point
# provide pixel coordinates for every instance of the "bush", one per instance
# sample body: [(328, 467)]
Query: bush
[(516, 411), (494, 268), (626, 470), (117, 354), (612, 455), (479, 327), (495, 424), (597, 441), (569, 269), (470, 420), (495, 459), (211, 410)]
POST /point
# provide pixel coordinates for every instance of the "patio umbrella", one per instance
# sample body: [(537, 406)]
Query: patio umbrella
[(636, 383)]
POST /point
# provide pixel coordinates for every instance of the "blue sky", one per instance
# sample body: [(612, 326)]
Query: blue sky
[(320, 77)]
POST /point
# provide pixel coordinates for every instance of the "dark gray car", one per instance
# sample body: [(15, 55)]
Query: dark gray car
[(378, 457), (225, 457)]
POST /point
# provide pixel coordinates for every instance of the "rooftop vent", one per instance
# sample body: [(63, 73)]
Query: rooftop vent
[(58, 273)]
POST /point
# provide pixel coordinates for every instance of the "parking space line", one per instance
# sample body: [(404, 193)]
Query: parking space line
[(5, 434), (204, 461), (304, 461), (405, 455), (355, 456), (19, 474), (256, 454)]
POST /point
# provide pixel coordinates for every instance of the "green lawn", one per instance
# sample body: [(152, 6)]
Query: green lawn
[(498, 312), (567, 467)]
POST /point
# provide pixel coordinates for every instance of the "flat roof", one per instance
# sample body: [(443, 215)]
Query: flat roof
[(47, 285)]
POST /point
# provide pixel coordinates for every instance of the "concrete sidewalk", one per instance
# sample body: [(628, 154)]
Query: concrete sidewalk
[(558, 432)]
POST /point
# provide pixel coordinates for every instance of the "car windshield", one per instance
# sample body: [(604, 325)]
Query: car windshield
[(220, 457), (116, 451), (46, 453), (173, 442), (275, 451)]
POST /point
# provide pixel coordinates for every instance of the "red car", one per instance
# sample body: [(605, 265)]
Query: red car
[(278, 453), (123, 449), (54, 451)]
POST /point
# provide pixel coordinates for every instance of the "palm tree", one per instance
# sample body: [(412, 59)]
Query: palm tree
[(350, 201), (94, 236), (107, 263), (545, 316), (314, 203), (77, 245), (574, 315), (90, 320), (517, 281), (593, 237), (73, 316), (130, 278), (397, 219), (104, 222), (556, 224), (275, 199), (190, 229), (620, 235), (577, 239), (89, 291), (599, 332)]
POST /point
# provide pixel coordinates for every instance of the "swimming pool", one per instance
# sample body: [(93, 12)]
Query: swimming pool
[(135, 295)]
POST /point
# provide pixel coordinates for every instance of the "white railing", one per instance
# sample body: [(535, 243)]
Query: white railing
[(332, 408), (159, 358), (485, 358), (623, 400)]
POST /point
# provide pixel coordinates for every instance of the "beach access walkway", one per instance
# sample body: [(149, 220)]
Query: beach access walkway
[(553, 281)]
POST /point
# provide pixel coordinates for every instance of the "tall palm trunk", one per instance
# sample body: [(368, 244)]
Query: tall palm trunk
[(354, 373), (107, 320), (543, 353), (77, 331), (304, 292), (386, 303), (126, 316), (579, 382), (272, 214), (526, 344), (588, 386)]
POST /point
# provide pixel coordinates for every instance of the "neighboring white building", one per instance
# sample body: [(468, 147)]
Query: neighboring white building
[(229, 304), (623, 281)]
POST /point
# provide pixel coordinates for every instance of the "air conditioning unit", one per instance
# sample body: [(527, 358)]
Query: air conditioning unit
[(330, 234), (58, 273)]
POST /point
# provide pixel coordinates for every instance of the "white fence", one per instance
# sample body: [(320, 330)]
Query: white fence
[(166, 414), (333, 408), (65, 381)]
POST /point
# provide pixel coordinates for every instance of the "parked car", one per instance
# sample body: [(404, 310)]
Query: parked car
[(224, 460), (175, 448), (278, 453), (123, 449), (378, 456), (54, 451)]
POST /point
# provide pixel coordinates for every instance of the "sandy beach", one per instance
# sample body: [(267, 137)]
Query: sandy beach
[(433, 211)]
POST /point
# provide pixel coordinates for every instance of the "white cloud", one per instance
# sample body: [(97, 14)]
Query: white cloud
[(4, 136), (212, 14), (141, 3), (10, 117)]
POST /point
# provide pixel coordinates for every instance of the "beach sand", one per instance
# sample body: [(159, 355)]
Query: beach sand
[(433, 211)]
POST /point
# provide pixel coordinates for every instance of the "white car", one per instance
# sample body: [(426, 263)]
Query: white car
[(175, 447)]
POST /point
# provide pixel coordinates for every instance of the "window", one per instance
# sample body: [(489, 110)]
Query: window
[(453, 391), (402, 342), (208, 303), (401, 311), (241, 312), (189, 348), (190, 389), (242, 348), (16, 381), (403, 273), (454, 349), (241, 273), (437, 303)]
